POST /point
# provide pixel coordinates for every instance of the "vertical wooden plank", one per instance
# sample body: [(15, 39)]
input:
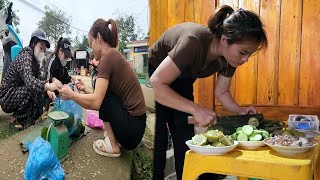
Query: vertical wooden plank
[(158, 19), (290, 20), (276, 59), (163, 18), (246, 81), (154, 13), (176, 12), (205, 86), (310, 64), (298, 56), (267, 60), (190, 10), (232, 3)]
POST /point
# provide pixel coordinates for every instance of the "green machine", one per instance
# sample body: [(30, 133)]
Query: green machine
[(60, 130), (57, 133)]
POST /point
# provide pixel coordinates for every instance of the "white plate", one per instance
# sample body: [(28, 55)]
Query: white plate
[(251, 144), (289, 150), (210, 150)]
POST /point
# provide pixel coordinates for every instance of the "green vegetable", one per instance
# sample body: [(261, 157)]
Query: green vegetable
[(213, 135), (256, 137), (247, 129), (224, 140), (199, 140), (242, 137), (265, 134)]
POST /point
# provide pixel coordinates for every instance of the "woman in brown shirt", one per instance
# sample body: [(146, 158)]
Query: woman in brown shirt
[(118, 95), (189, 51)]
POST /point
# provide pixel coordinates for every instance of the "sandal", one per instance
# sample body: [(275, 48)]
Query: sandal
[(97, 145)]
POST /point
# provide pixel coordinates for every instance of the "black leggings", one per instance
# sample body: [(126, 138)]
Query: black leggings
[(127, 129), (179, 128)]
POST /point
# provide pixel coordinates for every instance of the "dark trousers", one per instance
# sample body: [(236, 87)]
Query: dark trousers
[(179, 128), (127, 129), (168, 119)]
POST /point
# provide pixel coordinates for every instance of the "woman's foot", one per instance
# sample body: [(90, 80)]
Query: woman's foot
[(107, 148)]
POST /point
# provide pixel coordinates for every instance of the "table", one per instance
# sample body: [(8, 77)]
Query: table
[(262, 163)]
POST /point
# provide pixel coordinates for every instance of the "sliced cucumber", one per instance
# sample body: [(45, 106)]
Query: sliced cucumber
[(239, 129), (257, 137), (247, 129), (257, 131), (239, 132), (242, 137), (265, 134)]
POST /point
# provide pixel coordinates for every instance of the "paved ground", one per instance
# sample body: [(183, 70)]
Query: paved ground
[(83, 162)]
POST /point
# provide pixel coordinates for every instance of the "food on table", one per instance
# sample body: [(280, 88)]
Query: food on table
[(212, 138), (249, 133), (253, 122), (290, 140)]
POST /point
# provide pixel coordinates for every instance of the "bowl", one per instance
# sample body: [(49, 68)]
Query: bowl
[(211, 150), (250, 145), (289, 150)]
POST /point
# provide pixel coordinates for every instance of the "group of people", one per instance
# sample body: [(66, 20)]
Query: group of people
[(182, 54)]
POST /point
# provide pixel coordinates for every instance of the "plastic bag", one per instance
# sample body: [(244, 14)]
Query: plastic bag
[(73, 109), (93, 120), (42, 162)]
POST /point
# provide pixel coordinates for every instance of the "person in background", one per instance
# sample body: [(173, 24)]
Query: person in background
[(56, 68), (22, 87)]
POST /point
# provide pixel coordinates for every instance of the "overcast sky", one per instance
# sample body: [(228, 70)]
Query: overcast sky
[(83, 13)]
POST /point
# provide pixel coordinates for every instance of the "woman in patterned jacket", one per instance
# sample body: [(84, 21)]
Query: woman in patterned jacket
[(22, 87)]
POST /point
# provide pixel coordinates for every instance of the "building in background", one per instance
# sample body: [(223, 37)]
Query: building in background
[(137, 55)]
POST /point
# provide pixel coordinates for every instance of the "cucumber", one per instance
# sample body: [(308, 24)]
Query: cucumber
[(239, 129), (265, 134), (242, 137), (257, 137), (247, 129), (240, 132), (257, 131), (234, 136)]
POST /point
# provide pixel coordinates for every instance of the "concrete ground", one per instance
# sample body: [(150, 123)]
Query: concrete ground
[(83, 162)]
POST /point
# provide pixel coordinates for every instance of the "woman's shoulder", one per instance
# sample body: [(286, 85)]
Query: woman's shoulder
[(26, 53), (113, 54)]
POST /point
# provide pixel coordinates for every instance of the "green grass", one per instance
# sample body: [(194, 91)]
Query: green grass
[(142, 165), (142, 161), (6, 132)]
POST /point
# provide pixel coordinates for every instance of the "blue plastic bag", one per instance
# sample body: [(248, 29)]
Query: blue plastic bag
[(75, 113), (42, 162)]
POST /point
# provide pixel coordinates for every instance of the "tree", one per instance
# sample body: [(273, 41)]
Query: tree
[(128, 30), (15, 18), (83, 44), (55, 23)]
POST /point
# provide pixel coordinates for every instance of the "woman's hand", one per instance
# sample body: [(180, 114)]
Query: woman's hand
[(204, 117), (57, 82), (247, 110), (66, 93), (80, 85), (52, 87), (51, 95)]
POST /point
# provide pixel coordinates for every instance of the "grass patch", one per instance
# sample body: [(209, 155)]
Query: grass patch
[(6, 132), (142, 165)]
